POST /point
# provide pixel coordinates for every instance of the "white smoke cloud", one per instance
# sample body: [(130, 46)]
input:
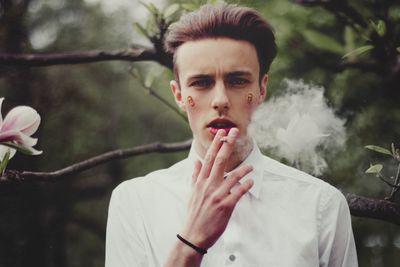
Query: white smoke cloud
[(299, 126)]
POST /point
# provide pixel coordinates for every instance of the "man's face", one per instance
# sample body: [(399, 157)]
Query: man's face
[(219, 87)]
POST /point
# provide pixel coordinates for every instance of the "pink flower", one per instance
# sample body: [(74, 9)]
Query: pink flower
[(17, 127)]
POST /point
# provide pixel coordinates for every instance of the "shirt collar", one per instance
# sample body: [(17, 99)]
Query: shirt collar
[(254, 159)]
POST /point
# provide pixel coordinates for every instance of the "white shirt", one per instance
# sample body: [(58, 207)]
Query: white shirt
[(287, 219)]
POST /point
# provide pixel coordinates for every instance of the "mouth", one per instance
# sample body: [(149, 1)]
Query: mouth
[(218, 124)]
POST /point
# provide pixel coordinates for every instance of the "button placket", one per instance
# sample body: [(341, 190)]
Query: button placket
[(231, 242)]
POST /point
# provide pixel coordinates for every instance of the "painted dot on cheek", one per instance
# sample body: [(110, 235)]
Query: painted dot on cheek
[(190, 101), (249, 98)]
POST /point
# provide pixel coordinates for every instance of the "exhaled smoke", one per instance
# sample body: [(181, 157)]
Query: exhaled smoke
[(299, 126)]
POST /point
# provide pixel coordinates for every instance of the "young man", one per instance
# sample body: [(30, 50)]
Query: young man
[(229, 204)]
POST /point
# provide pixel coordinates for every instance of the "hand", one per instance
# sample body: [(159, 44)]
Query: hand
[(213, 200)]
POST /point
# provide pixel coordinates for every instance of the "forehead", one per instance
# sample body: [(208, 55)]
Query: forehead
[(216, 56)]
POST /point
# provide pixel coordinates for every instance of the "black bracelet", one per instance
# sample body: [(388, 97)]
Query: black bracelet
[(202, 251)]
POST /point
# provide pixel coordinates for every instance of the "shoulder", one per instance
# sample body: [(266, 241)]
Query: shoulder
[(299, 182), (156, 179)]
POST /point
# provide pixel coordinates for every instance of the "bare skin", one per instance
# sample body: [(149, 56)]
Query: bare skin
[(212, 200)]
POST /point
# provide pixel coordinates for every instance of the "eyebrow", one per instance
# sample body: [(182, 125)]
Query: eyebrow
[(227, 75), (199, 76), (238, 73)]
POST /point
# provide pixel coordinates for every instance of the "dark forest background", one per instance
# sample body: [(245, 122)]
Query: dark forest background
[(89, 109)]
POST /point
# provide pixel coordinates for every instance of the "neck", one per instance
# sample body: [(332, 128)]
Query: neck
[(240, 153)]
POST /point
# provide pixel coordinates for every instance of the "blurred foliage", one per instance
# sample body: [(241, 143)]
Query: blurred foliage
[(393, 181), (93, 108)]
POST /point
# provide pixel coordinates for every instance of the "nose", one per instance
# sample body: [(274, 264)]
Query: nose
[(220, 100)]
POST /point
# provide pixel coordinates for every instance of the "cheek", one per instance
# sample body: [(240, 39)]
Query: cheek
[(192, 108), (248, 104)]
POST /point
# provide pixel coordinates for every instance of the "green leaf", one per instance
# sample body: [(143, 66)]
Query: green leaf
[(136, 73), (4, 161), (190, 6), (150, 77), (20, 148), (398, 49), (214, 2), (171, 10), (359, 51), (139, 28), (379, 149), (349, 40), (349, 37), (323, 41), (381, 28), (150, 7), (377, 168), (373, 24)]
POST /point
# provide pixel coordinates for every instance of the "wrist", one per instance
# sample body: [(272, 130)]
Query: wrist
[(196, 248), (183, 255)]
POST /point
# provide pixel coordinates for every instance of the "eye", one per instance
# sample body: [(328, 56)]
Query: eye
[(238, 81), (202, 83)]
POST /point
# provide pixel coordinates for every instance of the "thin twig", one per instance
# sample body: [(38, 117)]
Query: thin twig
[(157, 96), (165, 102), (80, 57), (396, 182), (26, 176), (387, 182)]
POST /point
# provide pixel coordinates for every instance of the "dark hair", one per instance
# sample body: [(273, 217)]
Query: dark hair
[(239, 23)]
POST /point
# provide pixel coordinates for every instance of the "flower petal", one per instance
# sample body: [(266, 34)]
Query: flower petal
[(26, 141), (33, 127), (1, 116), (22, 118), (11, 136), (18, 137), (34, 151)]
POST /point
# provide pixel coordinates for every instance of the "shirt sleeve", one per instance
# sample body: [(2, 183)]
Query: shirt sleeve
[(336, 241), (124, 247)]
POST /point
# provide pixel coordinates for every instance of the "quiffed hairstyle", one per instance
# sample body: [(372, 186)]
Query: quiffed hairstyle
[(231, 21)]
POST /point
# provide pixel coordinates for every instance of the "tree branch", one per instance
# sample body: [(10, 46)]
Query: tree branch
[(80, 57), (374, 208), (28, 176), (359, 206)]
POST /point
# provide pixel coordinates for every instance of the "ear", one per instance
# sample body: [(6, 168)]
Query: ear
[(176, 91), (263, 88)]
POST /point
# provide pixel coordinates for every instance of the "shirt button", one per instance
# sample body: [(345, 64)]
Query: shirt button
[(232, 257)]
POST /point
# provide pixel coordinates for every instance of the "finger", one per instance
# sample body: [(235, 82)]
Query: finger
[(234, 178), (222, 157), (196, 172), (211, 154), (239, 191)]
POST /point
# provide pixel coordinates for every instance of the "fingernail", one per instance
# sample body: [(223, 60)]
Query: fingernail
[(220, 132), (234, 132)]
